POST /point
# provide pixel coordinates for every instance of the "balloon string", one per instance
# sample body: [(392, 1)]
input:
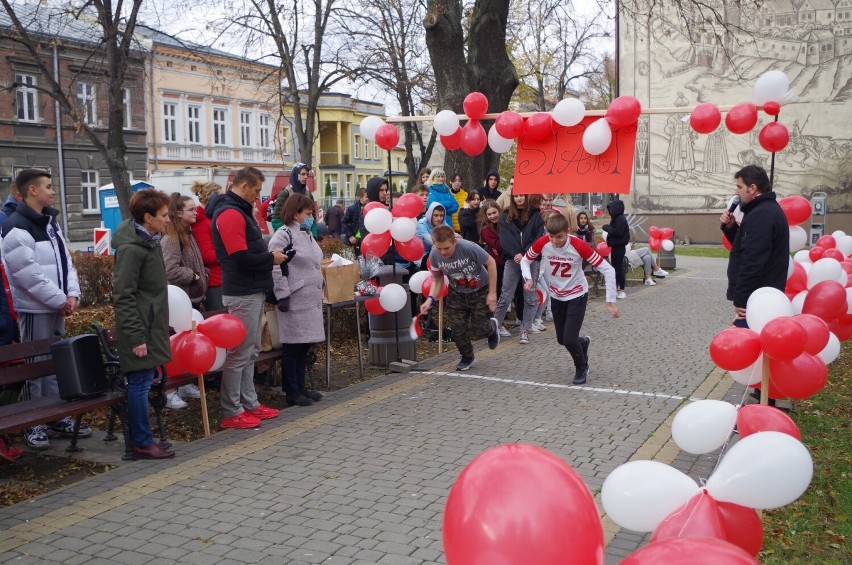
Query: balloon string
[(731, 435)]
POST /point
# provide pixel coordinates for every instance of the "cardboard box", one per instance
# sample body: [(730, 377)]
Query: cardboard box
[(340, 282)]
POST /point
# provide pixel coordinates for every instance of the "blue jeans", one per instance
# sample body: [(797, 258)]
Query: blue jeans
[(138, 385)]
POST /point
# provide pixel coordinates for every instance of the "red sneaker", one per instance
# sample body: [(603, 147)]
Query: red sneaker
[(263, 412), (8, 453), (241, 421)]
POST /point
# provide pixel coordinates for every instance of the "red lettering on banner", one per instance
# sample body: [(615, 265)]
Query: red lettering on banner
[(560, 164)]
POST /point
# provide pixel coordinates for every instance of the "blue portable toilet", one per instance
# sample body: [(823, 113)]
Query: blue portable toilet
[(110, 212)]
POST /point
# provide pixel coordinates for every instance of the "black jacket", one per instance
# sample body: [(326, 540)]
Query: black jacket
[(618, 230), (350, 221), (484, 192), (513, 240), (468, 225), (247, 271), (760, 253)]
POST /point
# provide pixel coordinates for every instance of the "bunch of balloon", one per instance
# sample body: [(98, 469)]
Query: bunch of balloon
[(421, 283), (660, 238)]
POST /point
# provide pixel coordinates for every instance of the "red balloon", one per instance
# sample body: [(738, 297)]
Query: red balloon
[(741, 118), (376, 245), (654, 231), (841, 327), (408, 205), (734, 349), (475, 105), (705, 118), (827, 299), (742, 526), (690, 551), (411, 250), (225, 330), (774, 137), (374, 205), (655, 243), (603, 249), (772, 108), (783, 339), (540, 296), (539, 127), (773, 390), (174, 367), (816, 332), (815, 253), (427, 287), (666, 233), (827, 242), (833, 254), (387, 136), (800, 378), (509, 124), (796, 208), (726, 244), (473, 138), (452, 142), (754, 418), (373, 306), (798, 281), (623, 111), (519, 504), (196, 352)]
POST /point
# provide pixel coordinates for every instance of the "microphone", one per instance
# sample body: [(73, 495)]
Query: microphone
[(735, 201)]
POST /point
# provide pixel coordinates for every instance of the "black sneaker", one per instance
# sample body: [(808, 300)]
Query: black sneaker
[(314, 395), (465, 363), (580, 375), (494, 338), (584, 343)]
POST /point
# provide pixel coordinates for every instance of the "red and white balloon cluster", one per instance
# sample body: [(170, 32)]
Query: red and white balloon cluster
[(771, 91), (375, 129), (200, 345), (660, 238), (472, 139)]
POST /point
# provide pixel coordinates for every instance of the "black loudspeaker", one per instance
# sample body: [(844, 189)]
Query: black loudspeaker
[(79, 367)]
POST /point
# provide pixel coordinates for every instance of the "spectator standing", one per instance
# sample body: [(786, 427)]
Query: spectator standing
[(246, 278), (298, 289), (352, 220), (184, 269), (142, 310), (435, 216), (334, 218), (585, 230), (618, 236), (8, 334), (202, 231), (439, 192), (489, 221), (423, 192), (472, 292), (298, 185), (491, 189), (468, 217), (44, 285), (9, 206), (460, 195), (422, 178), (505, 198)]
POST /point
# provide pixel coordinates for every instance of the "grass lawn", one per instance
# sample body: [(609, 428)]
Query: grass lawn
[(702, 251), (815, 528)]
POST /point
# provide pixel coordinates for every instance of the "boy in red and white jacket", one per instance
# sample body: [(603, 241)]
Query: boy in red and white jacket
[(562, 258)]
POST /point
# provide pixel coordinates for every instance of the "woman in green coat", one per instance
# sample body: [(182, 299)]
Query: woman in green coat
[(141, 306)]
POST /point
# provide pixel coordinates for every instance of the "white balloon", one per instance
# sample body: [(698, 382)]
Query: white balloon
[(604, 235), (667, 244), (764, 470), (844, 245), (393, 297), (837, 234), (640, 494), (569, 112), (798, 238), (197, 316), (825, 269), (704, 425), (771, 86), (498, 143), (831, 350), (848, 300), (378, 220), (180, 309), (751, 375), (403, 229), (790, 268), (597, 137), (415, 283), (220, 359), (798, 302), (766, 304), (446, 122), (802, 256), (369, 125), (843, 280)]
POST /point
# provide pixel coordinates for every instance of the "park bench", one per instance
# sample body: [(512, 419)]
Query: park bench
[(20, 362)]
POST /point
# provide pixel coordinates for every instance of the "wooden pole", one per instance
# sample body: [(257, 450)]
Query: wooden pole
[(764, 382), (205, 418), (440, 325)]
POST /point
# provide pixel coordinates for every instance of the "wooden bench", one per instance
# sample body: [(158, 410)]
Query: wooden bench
[(37, 363)]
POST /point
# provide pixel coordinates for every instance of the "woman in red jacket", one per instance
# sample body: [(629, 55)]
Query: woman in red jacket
[(202, 230)]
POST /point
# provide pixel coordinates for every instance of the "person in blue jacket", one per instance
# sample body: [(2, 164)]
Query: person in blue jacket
[(439, 192)]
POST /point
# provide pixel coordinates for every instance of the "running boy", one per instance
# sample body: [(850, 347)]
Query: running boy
[(472, 294), (562, 264)]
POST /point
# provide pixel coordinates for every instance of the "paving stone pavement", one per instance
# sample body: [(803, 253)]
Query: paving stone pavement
[(362, 477)]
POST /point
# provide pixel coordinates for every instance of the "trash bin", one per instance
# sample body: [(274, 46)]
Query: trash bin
[(110, 212), (391, 329), (667, 258)]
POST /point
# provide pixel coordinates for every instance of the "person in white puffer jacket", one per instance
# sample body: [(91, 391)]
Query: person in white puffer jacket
[(44, 284)]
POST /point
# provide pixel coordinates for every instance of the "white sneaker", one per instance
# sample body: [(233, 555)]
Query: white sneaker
[(534, 330), (539, 325), (524, 337), (503, 332), (189, 391), (175, 402), (650, 282), (621, 294), (660, 273)]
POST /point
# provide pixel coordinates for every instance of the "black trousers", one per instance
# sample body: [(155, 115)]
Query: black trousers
[(617, 259), (568, 316), (294, 362)]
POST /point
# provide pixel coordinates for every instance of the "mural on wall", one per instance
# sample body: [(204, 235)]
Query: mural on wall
[(667, 64)]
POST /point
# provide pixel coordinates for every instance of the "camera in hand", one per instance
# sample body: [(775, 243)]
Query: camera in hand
[(289, 252)]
